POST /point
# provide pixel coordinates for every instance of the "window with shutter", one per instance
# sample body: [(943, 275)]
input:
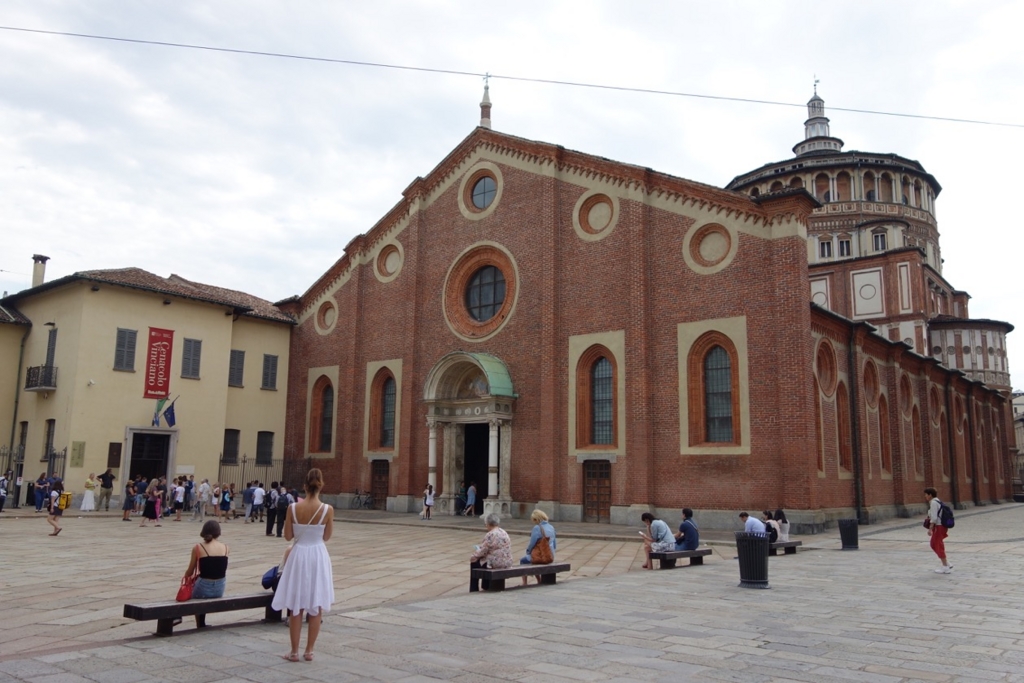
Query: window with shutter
[(236, 368), (190, 354), (230, 454), (51, 347), (124, 349), (264, 448), (269, 372)]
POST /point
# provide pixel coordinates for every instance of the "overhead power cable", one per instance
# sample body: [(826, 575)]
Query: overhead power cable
[(506, 77)]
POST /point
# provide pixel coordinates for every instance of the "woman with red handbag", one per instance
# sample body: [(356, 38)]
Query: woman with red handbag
[(207, 569)]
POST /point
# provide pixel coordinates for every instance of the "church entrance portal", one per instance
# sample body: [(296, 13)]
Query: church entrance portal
[(470, 405)]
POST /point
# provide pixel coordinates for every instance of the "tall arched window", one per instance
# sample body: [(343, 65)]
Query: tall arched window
[(947, 461), (387, 413), (601, 398), (321, 416), (383, 408), (918, 441), (713, 370), (596, 398), (817, 427), (843, 431), (718, 396)]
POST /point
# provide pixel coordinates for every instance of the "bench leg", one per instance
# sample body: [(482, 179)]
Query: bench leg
[(791, 551), (697, 560), (271, 615), (774, 551), (494, 585), (666, 564), (165, 627), (548, 579)]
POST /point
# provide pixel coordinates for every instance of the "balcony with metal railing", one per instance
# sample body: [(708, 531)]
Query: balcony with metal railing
[(41, 378)]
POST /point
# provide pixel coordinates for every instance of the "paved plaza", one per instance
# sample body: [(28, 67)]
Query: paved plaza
[(403, 612)]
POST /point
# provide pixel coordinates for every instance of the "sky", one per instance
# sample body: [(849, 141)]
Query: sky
[(254, 172)]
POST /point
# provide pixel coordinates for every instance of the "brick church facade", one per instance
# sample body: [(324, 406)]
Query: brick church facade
[(600, 340)]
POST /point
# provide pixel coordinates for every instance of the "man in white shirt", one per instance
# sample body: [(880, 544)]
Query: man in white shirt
[(752, 525), (259, 495), (179, 499), (202, 500)]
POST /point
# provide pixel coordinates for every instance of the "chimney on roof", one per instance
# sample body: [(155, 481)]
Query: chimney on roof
[(485, 107), (39, 269)]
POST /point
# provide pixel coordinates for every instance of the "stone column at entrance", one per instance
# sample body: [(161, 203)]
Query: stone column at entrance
[(492, 459), (432, 453)]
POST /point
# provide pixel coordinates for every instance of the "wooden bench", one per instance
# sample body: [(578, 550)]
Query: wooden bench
[(496, 577), (169, 614), (667, 560), (788, 546)]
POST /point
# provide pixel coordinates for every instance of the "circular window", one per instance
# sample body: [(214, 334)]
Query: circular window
[(326, 316), (480, 291), (480, 191), (594, 216), (484, 191), (709, 249), (388, 262), (485, 293)]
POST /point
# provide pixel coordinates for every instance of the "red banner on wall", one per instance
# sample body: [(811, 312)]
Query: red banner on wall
[(158, 363)]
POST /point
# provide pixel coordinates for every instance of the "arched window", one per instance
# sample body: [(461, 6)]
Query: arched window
[(713, 370), (796, 182), (776, 186), (821, 188), (886, 188), (883, 435), (843, 432), (383, 406), (596, 398), (947, 462), (869, 187), (843, 186), (817, 427), (918, 442), (321, 416)]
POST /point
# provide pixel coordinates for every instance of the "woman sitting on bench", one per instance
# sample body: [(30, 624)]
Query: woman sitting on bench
[(211, 558)]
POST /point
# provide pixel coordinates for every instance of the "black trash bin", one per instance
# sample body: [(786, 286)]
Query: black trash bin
[(752, 551), (848, 533)]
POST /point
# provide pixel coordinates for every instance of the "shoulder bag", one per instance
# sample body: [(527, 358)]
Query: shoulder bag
[(541, 553)]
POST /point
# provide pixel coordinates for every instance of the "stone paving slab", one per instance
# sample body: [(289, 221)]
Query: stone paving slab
[(879, 614)]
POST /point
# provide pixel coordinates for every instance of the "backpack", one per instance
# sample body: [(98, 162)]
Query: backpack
[(771, 532), (64, 501), (946, 515), (282, 502)]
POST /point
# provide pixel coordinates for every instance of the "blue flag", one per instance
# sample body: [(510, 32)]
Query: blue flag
[(169, 414)]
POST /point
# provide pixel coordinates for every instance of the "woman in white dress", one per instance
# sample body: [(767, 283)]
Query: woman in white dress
[(89, 497), (307, 580)]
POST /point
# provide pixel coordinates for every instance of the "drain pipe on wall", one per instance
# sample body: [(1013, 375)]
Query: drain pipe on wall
[(17, 385), (858, 479)]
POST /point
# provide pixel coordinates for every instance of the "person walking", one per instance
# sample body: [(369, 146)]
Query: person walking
[(202, 500), (272, 507), (55, 510), (106, 489), (151, 509), (937, 530), (247, 495), (306, 585), (471, 499), (259, 495), (179, 498), (89, 497)]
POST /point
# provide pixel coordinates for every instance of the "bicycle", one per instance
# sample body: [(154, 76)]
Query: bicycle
[(362, 500)]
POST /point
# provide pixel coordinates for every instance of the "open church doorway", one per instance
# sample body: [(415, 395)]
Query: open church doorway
[(477, 435)]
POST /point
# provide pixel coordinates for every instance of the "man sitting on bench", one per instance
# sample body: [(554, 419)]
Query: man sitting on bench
[(688, 537)]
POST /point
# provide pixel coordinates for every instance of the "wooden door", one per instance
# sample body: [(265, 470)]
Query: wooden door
[(597, 491), (380, 475)]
